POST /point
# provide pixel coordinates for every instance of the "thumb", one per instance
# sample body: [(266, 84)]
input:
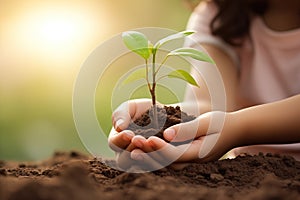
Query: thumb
[(205, 124), (183, 132), (122, 115)]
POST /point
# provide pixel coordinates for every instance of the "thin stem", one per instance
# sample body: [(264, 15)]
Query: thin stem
[(147, 75), (153, 80), (153, 92), (161, 64)]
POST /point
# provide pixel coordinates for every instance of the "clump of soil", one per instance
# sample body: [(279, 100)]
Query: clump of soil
[(76, 176), (167, 116)]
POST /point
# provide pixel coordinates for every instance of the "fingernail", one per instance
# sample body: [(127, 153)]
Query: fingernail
[(169, 134), (119, 123), (139, 144), (127, 136)]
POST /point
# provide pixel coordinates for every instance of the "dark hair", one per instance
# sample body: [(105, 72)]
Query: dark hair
[(234, 18)]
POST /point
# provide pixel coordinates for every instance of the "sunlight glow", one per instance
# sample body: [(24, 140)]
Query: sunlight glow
[(56, 33), (57, 30)]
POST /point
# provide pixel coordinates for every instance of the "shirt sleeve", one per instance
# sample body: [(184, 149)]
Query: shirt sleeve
[(199, 22)]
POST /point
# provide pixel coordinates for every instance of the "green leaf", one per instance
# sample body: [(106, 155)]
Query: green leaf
[(136, 42), (181, 74), (135, 75), (193, 53), (172, 37)]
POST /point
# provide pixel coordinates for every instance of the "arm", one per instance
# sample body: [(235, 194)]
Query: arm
[(272, 123), (228, 71), (277, 122)]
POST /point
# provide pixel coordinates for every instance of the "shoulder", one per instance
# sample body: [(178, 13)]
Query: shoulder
[(199, 22), (205, 6), (205, 11)]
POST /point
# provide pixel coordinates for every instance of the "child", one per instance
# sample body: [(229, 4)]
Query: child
[(255, 45)]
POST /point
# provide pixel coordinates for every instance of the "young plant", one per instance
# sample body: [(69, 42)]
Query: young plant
[(138, 43)]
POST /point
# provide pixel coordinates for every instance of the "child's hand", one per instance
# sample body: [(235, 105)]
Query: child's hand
[(213, 134), (120, 139), (130, 110)]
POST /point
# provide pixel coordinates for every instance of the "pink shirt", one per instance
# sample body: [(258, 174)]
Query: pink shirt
[(269, 64)]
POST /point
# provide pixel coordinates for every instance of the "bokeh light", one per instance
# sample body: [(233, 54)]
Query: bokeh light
[(42, 47)]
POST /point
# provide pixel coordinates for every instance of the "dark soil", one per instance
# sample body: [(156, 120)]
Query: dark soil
[(76, 176), (167, 116)]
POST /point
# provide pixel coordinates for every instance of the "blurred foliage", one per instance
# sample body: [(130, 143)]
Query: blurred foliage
[(36, 82)]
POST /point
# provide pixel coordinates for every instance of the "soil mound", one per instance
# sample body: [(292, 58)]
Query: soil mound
[(76, 176)]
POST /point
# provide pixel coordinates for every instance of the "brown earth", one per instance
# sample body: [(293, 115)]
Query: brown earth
[(166, 116), (76, 176)]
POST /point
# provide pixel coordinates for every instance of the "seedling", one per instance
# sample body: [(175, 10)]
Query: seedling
[(138, 43)]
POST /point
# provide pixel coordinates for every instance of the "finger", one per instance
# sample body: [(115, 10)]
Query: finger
[(181, 153), (141, 106), (120, 141), (146, 162), (184, 131), (146, 147), (122, 115), (203, 149), (124, 159), (139, 141), (207, 123), (128, 111), (165, 152)]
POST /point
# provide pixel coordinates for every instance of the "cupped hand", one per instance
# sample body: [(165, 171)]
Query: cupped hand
[(120, 139), (211, 135), (128, 111)]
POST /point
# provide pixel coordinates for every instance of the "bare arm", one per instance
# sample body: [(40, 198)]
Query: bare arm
[(277, 122), (272, 123)]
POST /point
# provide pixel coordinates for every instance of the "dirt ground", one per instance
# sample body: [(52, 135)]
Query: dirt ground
[(75, 176)]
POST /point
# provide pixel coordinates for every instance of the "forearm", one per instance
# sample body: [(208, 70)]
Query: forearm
[(277, 122)]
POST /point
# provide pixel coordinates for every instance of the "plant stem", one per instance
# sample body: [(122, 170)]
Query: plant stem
[(152, 91), (163, 62), (147, 75)]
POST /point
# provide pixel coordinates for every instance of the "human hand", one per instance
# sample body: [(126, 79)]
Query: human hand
[(120, 139), (212, 135)]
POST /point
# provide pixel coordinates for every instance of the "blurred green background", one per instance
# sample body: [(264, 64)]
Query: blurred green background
[(42, 47)]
